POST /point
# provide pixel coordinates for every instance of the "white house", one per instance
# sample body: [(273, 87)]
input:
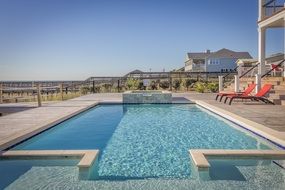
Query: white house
[(222, 60)]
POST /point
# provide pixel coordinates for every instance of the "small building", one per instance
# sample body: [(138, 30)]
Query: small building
[(223, 60), (246, 64)]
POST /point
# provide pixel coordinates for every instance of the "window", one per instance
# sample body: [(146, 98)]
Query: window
[(213, 62)]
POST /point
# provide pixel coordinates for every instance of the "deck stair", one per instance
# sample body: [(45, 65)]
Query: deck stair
[(277, 95)]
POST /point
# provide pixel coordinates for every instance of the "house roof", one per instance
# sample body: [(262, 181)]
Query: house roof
[(198, 55), (275, 57), (180, 69), (134, 72), (222, 53)]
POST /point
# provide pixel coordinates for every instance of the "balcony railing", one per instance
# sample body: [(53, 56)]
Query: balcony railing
[(273, 6)]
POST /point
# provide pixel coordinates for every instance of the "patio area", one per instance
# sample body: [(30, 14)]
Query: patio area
[(30, 120)]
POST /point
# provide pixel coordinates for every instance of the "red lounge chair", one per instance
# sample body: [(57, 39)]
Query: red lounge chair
[(258, 96), (247, 91)]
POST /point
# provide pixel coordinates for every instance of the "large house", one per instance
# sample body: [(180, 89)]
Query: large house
[(219, 61), (271, 16)]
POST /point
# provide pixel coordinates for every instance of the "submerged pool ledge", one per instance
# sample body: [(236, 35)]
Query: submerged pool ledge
[(87, 156), (277, 138), (200, 156)]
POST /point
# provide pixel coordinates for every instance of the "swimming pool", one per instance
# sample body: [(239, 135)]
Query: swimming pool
[(144, 141)]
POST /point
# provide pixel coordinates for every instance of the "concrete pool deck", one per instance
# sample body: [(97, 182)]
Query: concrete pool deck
[(18, 126)]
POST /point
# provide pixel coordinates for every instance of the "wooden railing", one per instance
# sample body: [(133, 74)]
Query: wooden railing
[(36, 93)]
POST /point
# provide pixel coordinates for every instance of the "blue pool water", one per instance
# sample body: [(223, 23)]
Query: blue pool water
[(144, 141), (11, 169), (225, 174)]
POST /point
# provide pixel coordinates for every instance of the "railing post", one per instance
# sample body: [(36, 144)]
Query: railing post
[(170, 83), (1, 93), (284, 54), (93, 86), (283, 69), (221, 83), (257, 82), (39, 97), (236, 83), (61, 91)]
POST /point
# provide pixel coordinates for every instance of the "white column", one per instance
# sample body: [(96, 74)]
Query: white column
[(284, 46), (1, 93), (236, 83), (257, 82), (221, 83), (261, 50), (261, 10)]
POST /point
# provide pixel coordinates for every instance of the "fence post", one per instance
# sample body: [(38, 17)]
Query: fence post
[(236, 83), (39, 95), (221, 83), (170, 83), (61, 91), (257, 82), (93, 86), (1, 93), (284, 63)]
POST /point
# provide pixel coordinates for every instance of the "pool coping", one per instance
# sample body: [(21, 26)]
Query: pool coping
[(87, 156), (200, 156)]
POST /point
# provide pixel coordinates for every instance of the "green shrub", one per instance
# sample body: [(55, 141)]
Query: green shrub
[(97, 89), (132, 83), (107, 87), (189, 83), (213, 87), (200, 87), (84, 90), (141, 86), (164, 84), (153, 85), (176, 84)]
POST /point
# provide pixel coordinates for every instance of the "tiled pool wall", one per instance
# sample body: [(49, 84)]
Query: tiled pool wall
[(147, 97)]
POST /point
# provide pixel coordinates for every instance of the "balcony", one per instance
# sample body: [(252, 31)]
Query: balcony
[(271, 13)]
